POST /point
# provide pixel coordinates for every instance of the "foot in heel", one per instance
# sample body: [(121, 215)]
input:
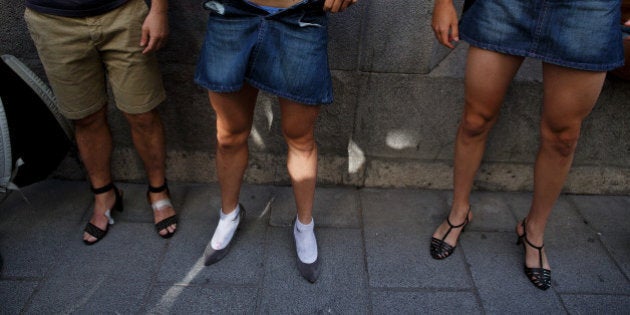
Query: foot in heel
[(539, 276), (163, 211), (440, 249), (224, 235), (306, 248), (97, 228)]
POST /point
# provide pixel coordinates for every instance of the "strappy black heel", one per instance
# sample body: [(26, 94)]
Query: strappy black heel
[(161, 204), (540, 277), (439, 248), (94, 230)]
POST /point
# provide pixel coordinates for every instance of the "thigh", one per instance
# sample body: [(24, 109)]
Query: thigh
[(134, 77), (569, 95), (298, 120), (234, 111), (71, 62), (488, 76)]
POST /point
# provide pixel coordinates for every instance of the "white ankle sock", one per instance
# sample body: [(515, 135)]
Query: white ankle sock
[(225, 229), (305, 241)]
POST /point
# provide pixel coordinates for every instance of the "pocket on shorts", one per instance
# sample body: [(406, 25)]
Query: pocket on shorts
[(312, 20)]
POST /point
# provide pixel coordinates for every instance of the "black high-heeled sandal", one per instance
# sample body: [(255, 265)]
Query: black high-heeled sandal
[(540, 277), (94, 230), (439, 248), (161, 204)]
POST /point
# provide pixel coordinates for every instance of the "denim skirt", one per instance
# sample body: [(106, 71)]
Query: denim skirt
[(283, 53), (580, 34)]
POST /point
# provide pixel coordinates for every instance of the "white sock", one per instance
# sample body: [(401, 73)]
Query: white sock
[(305, 241), (225, 229)]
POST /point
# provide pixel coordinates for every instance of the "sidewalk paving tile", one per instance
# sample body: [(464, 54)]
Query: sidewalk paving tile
[(597, 304), (425, 302), (619, 247), (497, 270), (113, 275), (491, 212), (580, 263), (564, 215), (605, 214), (398, 225), (201, 300), (333, 207), (14, 294), (30, 248), (341, 288), (50, 200)]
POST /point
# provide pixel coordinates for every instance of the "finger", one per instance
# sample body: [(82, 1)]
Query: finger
[(455, 32), (151, 46), (145, 37), (345, 4), (328, 5), (443, 38), (627, 23), (336, 6)]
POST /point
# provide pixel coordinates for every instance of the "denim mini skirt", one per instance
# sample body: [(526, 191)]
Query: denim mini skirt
[(580, 34), (283, 53)]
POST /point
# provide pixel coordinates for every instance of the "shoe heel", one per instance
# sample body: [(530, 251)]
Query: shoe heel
[(118, 205)]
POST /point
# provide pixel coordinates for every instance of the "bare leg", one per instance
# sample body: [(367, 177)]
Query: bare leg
[(235, 112), (569, 97), (94, 142), (298, 128), (147, 133), (488, 76)]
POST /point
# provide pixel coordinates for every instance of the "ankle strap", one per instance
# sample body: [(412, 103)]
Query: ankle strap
[(458, 226), (103, 189), (158, 189)]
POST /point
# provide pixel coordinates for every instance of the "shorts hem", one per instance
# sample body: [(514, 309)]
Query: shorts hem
[(235, 88), (547, 59), (144, 108), (289, 96)]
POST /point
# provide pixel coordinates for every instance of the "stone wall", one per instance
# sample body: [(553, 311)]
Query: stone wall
[(398, 98)]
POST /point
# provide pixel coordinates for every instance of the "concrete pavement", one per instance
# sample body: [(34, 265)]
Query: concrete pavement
[(373, 244)]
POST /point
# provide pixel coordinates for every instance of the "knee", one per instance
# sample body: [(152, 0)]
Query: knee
[(231, 140), (144, 122), (563, 141), (303, 141), (94, 120), (476, 124)]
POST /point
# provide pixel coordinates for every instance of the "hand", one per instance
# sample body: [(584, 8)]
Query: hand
[(444, 23), (154, 31), (335, 6)]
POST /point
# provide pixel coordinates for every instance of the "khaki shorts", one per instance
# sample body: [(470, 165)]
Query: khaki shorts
[(78, 55)]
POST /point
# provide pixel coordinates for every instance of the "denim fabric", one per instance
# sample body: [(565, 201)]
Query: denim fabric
[(283, 53), (581, 34)]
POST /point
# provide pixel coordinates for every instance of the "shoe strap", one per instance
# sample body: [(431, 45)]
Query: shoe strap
[(539, 248), (451, 226), (158, 189), (104, 189)]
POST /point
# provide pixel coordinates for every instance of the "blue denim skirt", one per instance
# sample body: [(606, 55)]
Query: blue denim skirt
[(580, 34), (283, 53)]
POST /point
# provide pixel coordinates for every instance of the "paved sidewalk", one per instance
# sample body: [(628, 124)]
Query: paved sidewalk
[(373, 244)]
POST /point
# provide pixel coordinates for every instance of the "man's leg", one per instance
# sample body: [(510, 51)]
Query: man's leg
[(147, 133), (94, 142), (234, 114), (298, 128)]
